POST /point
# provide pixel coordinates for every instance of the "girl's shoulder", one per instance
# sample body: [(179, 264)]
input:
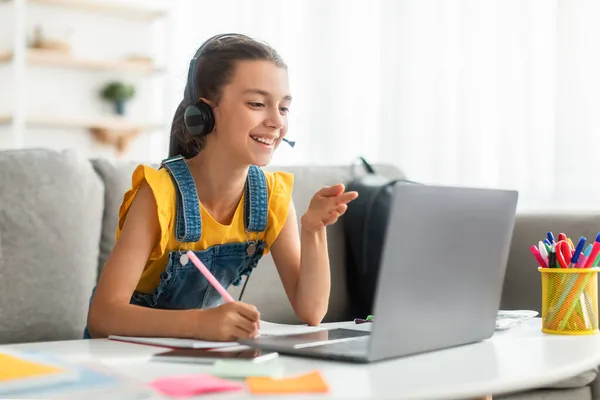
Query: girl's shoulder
[(158, 180), (162, 190), (279, 182), (280, 186)]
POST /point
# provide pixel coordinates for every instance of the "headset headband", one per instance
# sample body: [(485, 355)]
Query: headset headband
[(191, 87)]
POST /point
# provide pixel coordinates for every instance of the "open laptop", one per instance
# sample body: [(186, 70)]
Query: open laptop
[(440, 279)]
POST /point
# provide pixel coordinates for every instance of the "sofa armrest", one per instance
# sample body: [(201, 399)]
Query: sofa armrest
[(595, 387), (522, 284)]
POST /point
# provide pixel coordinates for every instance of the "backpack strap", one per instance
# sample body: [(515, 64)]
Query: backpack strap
[(367, 166)]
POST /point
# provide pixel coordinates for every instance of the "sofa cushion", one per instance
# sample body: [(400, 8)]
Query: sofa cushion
[(583, 379), (117, 180), (50, 220), (522, 283), (581, 393)]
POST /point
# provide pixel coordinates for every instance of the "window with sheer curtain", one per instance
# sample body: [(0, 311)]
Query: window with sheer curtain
[(477, 93)]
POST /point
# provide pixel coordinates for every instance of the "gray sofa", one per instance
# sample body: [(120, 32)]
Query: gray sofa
[(57, 226)]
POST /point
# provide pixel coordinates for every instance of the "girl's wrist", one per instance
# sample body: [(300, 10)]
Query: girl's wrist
[(191, 323), (310, 224)]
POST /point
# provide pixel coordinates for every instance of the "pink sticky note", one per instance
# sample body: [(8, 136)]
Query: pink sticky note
[(191, 385)]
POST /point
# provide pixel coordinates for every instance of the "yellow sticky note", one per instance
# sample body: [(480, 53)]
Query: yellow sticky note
[(12, 368), (312, 382)]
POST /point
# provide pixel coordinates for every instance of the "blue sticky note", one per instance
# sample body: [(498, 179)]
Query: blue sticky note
[(87, 379)]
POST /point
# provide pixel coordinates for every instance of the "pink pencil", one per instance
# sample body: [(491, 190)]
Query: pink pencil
[(210, 277)]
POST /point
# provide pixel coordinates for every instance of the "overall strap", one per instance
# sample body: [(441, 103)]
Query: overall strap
[(188, 225), (256, 201)]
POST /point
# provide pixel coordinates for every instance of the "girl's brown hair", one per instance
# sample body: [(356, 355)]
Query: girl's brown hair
[(213, 70)]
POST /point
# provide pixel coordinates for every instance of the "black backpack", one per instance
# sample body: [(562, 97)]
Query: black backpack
[(365, 223)]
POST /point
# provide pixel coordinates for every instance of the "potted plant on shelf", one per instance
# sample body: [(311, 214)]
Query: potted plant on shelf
[(118, 93)]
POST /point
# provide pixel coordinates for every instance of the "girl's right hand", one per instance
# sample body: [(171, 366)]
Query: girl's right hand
[(229, 322)]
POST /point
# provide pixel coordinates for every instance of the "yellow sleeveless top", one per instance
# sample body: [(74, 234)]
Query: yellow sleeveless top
[(279, 187)]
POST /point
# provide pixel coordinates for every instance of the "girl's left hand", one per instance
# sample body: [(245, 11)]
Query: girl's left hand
[(326, 206)]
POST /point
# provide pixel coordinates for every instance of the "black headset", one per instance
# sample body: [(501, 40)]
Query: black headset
[(198, 117)]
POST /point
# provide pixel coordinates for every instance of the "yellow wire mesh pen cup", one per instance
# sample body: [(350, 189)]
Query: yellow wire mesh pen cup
[(569, 301)]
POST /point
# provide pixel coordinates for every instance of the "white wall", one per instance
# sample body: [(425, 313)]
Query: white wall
[(67, 93), (481, 93), (6, 40)]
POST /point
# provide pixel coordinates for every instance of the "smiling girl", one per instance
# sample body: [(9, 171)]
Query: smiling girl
[(211, 196)]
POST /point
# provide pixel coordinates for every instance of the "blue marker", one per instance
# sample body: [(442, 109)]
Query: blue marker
[(577, 253), (550, 237)]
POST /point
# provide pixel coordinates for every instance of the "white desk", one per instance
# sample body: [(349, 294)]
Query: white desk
[(517, 359)]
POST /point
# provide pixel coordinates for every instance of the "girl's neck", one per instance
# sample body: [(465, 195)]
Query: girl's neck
[(219, 182)]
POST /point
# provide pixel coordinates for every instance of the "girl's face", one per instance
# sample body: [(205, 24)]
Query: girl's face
[(251, 117)]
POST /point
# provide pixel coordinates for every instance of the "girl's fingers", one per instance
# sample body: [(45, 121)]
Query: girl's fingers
[(250, 328), (333, 216), (347, 197), (239, 332), (334, 213), (334, 190)]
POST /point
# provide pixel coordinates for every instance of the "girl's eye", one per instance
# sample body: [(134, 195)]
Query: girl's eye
[(284, 110), (252, 104)]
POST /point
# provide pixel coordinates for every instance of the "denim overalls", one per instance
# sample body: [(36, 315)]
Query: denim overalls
[(182, 286)]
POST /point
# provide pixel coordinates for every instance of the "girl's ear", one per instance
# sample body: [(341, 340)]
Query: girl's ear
[(210, 103), (212, 108)]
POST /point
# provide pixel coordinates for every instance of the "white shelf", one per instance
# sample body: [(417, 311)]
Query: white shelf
[(90, 123), (5, 119), (146, 22), (117, 124), (5, 56), (52, 59), (102, 7)]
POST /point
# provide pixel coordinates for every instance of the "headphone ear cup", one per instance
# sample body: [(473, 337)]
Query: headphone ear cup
[(199, 119)]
